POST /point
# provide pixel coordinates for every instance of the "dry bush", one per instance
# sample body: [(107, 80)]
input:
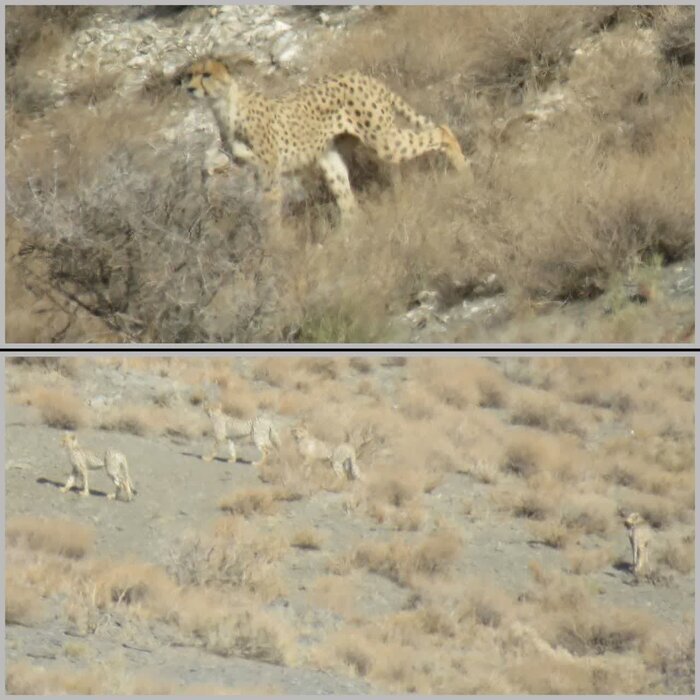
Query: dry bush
[(153, 419), (560, 673), (529, 453), (679, 556), (249, 502), (62, 537), (103, 679), (337, 593), (453, 381), (557, 591), (493, 389), (252, 636), (411, 518), (307, 539), (276, 371), (58, 408), (533, 505), (485, 604), (598, 630), (416, 403), (673, 656), (676, 27), (537, 409), (240, 402), (591, 513), (131, 418), (235, 555), (395, 490), (353, 654), (551, 532), (32, 30), (361, 365), (498, 48), (23, 605), (483, 471), (401, 560), (120, 229), (587, 561), (133, 583)]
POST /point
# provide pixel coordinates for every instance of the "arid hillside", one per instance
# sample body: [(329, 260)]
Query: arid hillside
[(481, 550), (126, 222)]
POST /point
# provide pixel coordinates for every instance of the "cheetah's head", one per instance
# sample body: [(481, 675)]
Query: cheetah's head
[(633, 519), (212, 408), (68, 439), (208, 78)]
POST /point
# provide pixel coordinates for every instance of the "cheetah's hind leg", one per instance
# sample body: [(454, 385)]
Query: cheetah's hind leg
[(336, 175), (68, 485)]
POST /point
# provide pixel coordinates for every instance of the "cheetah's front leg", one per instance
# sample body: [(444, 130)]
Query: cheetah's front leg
[(232, 456), (86, 490)]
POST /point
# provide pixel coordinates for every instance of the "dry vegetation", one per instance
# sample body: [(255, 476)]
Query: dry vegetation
[(484, 553), (579, 122)]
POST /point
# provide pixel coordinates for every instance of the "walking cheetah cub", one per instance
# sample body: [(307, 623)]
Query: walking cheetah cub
[(82, 461), (259, 429), (281, 135), (343, 459), (640, 537)]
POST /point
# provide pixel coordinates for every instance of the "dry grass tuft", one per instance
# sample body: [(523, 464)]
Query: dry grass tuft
[(307, 539), (598, 630), (528, 454), (58, 408), (133, 583), (588, 561), (62, 537), (23, 605), (486, 605), (591, 513), (679, 556), (551, 532), (400, 560), (249, 502), (25, 679), (236, 555)]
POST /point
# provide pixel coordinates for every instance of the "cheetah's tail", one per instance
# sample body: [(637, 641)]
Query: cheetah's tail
[(416, 120)]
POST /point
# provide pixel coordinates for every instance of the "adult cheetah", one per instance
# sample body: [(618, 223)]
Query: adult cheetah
[(281, 135), (225, 427), (83, 460), (640, 537), (342, 458)]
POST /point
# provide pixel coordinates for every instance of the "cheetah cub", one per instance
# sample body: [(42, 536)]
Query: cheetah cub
[(281, 135), (640, 537), (82, 461), (259, 429), (343, 459)]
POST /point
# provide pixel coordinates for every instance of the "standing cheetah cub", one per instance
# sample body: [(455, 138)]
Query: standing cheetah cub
[(281, 135), (260, 429), (343, 459), (83, 460), (640, 537)]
